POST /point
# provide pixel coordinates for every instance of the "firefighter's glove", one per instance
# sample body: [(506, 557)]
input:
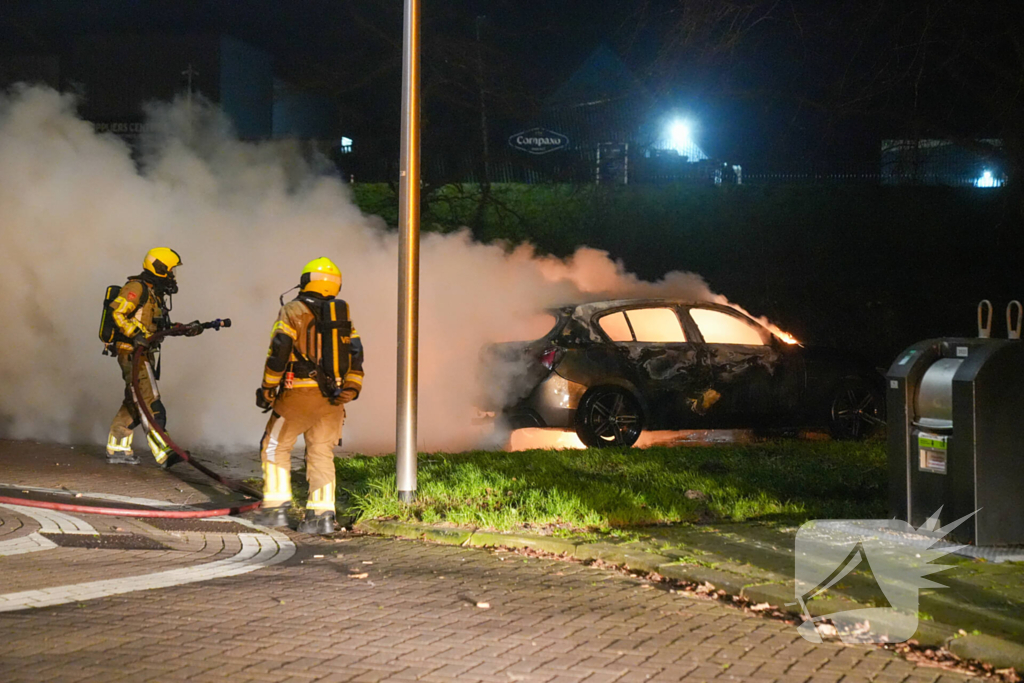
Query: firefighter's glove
[(141, 341), (193, 329), (265, 398), (347, 395)]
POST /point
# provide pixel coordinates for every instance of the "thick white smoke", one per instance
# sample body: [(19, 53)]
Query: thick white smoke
[(77, 214)]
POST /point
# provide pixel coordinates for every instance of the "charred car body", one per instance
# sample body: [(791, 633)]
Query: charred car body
[(611, 369)]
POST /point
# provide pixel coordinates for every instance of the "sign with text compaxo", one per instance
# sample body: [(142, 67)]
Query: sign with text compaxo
[(538, 141)]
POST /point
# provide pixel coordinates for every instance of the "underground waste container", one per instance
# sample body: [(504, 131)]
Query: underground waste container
[(956, 436)]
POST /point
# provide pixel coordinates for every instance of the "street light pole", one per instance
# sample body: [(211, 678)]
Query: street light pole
[(409, 257)]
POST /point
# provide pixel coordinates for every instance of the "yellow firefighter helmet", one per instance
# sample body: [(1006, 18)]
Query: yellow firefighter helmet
[(322, 277), (161, 261)]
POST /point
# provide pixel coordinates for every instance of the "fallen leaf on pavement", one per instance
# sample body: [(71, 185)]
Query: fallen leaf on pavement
[(828, 631)]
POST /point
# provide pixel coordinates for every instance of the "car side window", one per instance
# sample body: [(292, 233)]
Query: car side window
[(656, 325), (616, 327), (721, 328)]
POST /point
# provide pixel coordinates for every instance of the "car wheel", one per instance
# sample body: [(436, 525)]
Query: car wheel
[(857, 410), (608, 416)]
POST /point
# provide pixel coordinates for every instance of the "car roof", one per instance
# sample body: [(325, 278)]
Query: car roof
[(597, 306), (614, 303)]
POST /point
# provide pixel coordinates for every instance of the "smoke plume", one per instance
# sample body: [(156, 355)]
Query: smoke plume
[(78, 212)]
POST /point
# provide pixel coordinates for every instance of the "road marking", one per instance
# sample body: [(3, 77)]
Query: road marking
[(26, 544), (262, 548), (53, 522), (258, 550), (149, 502)]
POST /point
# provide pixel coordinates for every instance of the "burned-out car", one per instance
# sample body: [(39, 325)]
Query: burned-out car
[(611, 369)]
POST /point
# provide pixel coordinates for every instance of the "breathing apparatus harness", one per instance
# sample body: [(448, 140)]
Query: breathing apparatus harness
[(328, 344), (163, 288)]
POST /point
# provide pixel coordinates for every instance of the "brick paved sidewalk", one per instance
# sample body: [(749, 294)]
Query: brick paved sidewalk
[(84, 468), (366, 609), (414, 616)]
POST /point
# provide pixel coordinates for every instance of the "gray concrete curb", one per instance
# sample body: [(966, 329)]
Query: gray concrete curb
[(998, 652)]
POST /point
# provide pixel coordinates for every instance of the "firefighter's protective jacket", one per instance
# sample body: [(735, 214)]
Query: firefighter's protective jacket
[(295, 347), (133, 319)]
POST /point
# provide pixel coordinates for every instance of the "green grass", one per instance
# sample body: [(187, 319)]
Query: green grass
[(601, 490)]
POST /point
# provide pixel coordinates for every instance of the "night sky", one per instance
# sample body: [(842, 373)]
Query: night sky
[(800, 84)]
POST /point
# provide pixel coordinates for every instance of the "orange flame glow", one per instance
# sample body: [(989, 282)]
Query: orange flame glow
[(554, 439), (784, 336)]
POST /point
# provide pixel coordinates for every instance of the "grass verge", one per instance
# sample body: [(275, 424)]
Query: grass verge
[(600, 490)]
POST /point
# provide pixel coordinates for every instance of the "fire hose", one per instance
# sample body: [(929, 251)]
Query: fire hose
[(151, 425)]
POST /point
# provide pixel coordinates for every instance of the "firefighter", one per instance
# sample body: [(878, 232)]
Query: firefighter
[(313, 368), (140, 309)]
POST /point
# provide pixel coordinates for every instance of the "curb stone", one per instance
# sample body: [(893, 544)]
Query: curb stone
[(595, 551), (632, 558), (775, 594), (385, 528), (488, 539), (942, 607), (729, 582), (448, 536), (470, 537), (998, 652), (929, 633)]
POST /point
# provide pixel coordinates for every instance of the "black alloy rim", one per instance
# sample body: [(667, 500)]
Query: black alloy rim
[(613, 419), (856, 412)]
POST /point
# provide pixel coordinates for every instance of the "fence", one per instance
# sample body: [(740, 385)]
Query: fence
[(584, 167)]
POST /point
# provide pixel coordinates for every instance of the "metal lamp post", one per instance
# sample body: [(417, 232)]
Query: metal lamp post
[(409, 257)]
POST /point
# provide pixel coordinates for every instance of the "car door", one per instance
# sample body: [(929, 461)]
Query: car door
[(744, 365), (664, 363)]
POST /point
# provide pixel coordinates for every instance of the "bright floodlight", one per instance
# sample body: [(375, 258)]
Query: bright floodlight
[(987, 180), (679, 135)]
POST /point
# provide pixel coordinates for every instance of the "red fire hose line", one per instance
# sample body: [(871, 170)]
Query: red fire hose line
[(232, 484), (126, 512)]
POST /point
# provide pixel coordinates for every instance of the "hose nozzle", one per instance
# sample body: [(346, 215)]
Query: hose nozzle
[(217, 324)]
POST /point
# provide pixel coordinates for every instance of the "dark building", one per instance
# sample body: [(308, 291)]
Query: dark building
[(117, 75)]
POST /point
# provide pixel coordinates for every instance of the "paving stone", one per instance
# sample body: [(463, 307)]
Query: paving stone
[(305, 620)]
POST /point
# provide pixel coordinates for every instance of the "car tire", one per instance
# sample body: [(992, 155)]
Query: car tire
[(856, 410), (608, 417)]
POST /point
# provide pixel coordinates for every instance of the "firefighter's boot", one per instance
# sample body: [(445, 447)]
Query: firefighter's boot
[(321, 523), (171, 460), (276, 516), (119, 451)]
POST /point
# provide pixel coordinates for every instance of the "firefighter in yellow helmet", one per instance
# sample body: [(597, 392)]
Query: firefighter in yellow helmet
[(139, 310), (314, 367)]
